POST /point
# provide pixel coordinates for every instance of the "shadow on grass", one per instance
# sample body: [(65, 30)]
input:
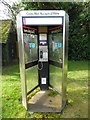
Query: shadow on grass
[(81, 81), (11, 73), (77, 65), (72, 66), (11, 70)]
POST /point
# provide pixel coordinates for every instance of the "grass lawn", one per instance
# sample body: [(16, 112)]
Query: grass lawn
[(77, 89)]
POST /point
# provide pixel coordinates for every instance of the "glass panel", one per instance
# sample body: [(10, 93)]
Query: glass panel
[(55, 55), (30, 45), (55, 46), (56, 77), (31, 77)]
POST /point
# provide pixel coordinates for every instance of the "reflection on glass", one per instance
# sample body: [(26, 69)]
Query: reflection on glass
[(55, 47), (30, 47), (31, 77), (56, 77)]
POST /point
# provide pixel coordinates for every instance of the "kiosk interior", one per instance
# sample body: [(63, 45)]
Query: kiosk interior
[(42, 39)]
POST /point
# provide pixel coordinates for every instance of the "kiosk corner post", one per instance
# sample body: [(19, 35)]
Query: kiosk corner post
[(65, 59), (21, 60)]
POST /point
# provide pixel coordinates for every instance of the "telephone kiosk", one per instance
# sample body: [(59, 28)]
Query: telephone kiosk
[(42, 40)]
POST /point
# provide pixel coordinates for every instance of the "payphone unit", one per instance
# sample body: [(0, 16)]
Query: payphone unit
[(43, 65)]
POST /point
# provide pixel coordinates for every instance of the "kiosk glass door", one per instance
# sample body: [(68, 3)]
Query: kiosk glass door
[(31, 57), (55, 56)]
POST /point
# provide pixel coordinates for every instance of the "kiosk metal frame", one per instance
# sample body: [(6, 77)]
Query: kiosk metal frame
[(43, 18)]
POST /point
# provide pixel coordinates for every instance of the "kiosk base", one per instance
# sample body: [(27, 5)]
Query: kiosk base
[(45, 101)]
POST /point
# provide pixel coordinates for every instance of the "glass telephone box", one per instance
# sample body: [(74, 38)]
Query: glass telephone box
[(42, 40)]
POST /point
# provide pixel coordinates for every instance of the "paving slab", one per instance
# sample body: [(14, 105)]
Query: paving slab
[(42, 101)]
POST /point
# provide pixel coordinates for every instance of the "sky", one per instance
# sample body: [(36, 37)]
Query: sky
[(4, 10)]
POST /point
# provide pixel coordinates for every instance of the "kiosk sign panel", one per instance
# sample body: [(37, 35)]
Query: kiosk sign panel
[(42, 21)]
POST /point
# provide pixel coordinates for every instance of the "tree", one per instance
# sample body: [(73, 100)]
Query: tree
[(78, 21), (13, 9)]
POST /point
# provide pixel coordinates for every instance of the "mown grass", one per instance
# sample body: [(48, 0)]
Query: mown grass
[(77, 89)]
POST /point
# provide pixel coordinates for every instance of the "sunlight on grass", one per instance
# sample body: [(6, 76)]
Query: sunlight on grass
[(77, 89), (77, 93)]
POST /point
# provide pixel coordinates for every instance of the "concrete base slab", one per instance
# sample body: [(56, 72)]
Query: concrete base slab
[(42, 101)]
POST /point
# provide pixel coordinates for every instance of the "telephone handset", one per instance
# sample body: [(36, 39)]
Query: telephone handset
[(43, 55)]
